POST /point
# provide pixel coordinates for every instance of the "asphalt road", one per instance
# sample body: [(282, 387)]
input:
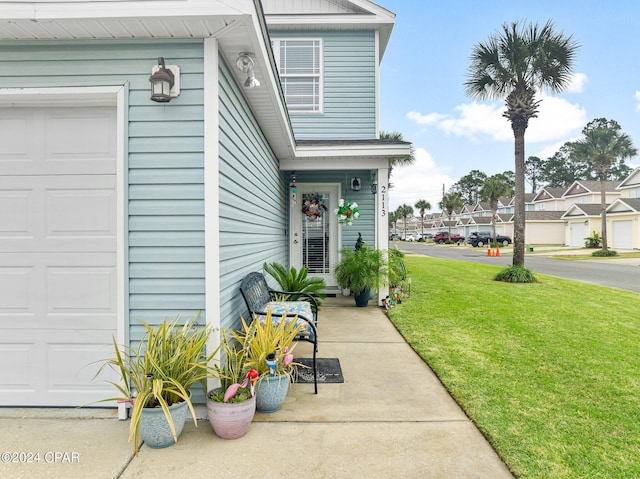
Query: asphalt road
[(614, 273)]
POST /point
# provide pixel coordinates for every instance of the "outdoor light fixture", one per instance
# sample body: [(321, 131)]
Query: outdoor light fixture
[(355, 184), (245, 64), (164, 81), (374, 185)]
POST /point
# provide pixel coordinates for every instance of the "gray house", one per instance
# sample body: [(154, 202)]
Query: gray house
[(116, 208)]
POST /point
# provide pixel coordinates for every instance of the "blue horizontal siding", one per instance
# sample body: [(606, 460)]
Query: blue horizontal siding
[(253, 228), (349, 88)]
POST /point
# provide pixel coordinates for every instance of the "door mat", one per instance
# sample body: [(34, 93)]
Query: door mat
[(329, 371)]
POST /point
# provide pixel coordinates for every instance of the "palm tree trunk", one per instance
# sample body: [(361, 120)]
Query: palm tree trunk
[(519, 213), (603, 212)]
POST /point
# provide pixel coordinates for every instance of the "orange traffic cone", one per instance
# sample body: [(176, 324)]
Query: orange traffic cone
[(497, 251), (488, 251)]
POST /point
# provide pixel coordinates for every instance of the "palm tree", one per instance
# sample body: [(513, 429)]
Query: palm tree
[(451, 202), (405, 211), (512, 65), (393, 220), (493, 189), (603, 144), (401, 161), (423, 206)]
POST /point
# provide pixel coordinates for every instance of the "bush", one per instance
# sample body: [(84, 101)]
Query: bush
[(593, 241), (516, 274), (604, 253), (449, 242)]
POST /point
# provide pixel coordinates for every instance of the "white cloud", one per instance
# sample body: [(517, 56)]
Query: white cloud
[(421, 181), (557, 119), (576, 85), (637, 97)]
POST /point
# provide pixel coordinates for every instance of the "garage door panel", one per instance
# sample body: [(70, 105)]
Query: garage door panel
[(577, 234), (81, 290), (71, 361), (622, 234), (71, 141), (58, 214)]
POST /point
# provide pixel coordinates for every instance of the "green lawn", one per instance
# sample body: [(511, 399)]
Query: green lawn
[(549, 372)]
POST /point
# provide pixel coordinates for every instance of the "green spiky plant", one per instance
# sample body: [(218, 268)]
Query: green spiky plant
[(169, 360), (264, 337), (291, 280)]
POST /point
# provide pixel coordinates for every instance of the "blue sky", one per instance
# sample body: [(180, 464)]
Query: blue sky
[(425, 65)]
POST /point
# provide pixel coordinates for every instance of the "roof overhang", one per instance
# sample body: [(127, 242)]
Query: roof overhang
[(238, 26), (348, 14)]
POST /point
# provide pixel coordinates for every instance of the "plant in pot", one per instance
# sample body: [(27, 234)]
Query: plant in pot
[(291, 280), (231, 407), (156, 378), (270, 345), (362, 270)]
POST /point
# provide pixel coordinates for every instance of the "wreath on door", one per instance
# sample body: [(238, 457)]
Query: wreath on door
[(313, 207)]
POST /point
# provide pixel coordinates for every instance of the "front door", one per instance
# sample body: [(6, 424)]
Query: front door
[(314, 239)]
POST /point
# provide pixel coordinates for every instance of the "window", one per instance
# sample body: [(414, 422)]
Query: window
[(299, 64)]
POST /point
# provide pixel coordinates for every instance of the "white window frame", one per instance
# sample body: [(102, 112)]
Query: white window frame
[(276, 46)]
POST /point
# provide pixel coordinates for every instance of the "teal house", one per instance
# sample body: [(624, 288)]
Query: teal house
[(125, 198)]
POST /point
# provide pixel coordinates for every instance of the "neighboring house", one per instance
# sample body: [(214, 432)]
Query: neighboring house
[(581, 192), (549, 199), (623, 223), (117, 209)]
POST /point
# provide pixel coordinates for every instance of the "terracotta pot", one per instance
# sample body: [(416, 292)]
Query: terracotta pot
[(230, 420)]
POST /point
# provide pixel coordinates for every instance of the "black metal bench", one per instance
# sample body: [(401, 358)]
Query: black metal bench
[(258, 295)]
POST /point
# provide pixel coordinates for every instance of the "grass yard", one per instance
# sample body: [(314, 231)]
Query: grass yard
[(549, 372)]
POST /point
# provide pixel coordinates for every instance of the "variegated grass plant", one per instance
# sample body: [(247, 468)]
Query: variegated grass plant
[(168, 361), (270, 335)]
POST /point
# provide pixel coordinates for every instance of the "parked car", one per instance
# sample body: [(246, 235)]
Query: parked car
[(394, 236), (411, 237), (444, 236), (482, 238)]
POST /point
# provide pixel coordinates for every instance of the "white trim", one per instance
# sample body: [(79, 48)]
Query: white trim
[(382, 220), (211, 196), (333, 163), (92, 96), (377, 81)]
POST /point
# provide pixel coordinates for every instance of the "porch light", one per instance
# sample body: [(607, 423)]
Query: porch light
[(246, 64), (356, 184), (164, 82), (374, 185)]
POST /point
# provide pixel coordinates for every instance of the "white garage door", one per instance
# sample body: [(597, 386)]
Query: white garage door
[(577, 234), (57, 253), (622, 234)]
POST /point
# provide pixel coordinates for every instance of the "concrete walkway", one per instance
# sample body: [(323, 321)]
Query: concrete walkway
[(390, 419)]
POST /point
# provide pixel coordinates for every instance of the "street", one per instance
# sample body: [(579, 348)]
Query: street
[(614, 273)]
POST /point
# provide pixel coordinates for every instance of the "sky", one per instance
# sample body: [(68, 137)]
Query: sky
[(425, 66)]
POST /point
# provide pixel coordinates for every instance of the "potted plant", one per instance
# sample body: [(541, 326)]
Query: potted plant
[(362, 270), (231, 407), (270, 345), (291, 280), (156, 378)]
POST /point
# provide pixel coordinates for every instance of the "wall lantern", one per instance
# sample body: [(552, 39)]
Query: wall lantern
[(246, 64), (356, 184), (165, 81), (374, 185)]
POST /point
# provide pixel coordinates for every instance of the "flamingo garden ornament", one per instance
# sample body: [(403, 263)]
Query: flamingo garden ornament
[(231, 391), (288, 357)]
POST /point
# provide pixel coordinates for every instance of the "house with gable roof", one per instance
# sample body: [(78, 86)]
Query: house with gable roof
[(117, 208)]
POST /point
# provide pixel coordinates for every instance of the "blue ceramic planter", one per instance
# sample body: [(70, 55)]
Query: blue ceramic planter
[(271, 393), (154, 428)]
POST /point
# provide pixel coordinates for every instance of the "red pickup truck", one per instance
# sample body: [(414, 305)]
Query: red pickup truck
[(442, 237)]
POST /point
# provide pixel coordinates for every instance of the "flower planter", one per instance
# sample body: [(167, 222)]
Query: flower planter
[(230, 420), (271, 391), (362, 298), (154, 428)]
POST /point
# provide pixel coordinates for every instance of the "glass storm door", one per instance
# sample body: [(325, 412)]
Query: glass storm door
[(314, 230)]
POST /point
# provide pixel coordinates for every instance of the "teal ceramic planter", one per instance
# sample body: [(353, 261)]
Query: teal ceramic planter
[(154, 428), (271, 393)]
